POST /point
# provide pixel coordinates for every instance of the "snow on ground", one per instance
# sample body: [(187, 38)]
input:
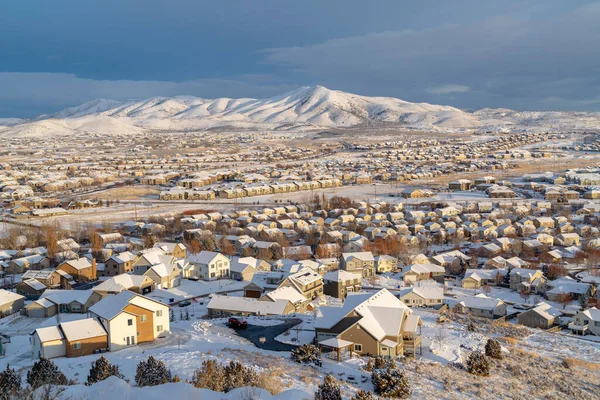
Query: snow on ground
[(116, 388)]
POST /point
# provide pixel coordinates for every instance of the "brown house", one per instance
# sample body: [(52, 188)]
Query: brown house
[(84, 337), (82, 269), (339, 283), (370, 324)]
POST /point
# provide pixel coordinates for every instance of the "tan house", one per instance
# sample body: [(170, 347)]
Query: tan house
[(423, 296), (82, 269), (359, 262), (480, 306), (532, 280), (70, 339), (385, 263), (370, 324), (423, 272), (140, 284), (307, 282), (118, 264)]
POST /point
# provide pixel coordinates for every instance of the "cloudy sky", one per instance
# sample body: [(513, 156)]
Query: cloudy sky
[(521, 54)]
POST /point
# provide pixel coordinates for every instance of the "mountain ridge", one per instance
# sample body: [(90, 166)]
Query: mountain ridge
[(307, 107)]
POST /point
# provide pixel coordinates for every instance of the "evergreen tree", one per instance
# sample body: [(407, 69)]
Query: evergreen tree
[(329, 389), (44, 372), (236, 376), (363, 395), (102, 369), (493, 349), (152, 372), (10, 383), (181, 315), (391, 382), (187, 314), (171, 315), (478, 364)]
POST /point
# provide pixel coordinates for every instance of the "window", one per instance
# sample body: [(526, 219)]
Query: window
[(129, 322), (357, 347), (138, 333), (143, 318), (159, 313), (159, 328), (384, 349), (76, 345)]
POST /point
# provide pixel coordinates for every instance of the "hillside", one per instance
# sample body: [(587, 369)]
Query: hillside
[(304, 108)]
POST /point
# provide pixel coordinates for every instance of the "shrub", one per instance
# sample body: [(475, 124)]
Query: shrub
[(307, 353), (478, 364), (10, 382), (493, 349), (102, 369), (363, 395), (329, 389), (211, 375), (236, 376), (152, 372), (44, 372), (391, 382)]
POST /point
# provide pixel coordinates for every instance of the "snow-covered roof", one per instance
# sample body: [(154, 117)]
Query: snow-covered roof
[(340, 276), (423, 268), (546, 311), (80, 263), (8, 297), (82, 329), (248, 305), (58, 296), (286, 293), (49, 334), (121, 282), (111, 306), (35, 284), (592, 313), (362, 255), (479, 302), (204, 257)]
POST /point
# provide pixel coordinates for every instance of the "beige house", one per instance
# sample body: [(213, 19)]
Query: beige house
[(586, 322), (384, 263), (359, 262), (339, 283), (531, 280), (480, 306), (423, 296), (423, 272)]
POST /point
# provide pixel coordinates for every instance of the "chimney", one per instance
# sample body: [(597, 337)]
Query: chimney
[(94, 267)]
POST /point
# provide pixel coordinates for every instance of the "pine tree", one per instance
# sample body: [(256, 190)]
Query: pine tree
[(187, 315), (102, 369), (152, 372), (10, 383), (478, 364), (493, 349), (171, 315), (329, 389), (181, 315), (391, 382), (236, 376), (44, 372)]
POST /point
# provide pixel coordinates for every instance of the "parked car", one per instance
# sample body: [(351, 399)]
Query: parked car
[(185, 303), (237, 323)]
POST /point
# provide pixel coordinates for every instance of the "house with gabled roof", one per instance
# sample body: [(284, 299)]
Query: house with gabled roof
[(359, 262), (543, 316), (430, 295), (140, 284), (130, 318), (480, 306), (586, 322), (371, 324)]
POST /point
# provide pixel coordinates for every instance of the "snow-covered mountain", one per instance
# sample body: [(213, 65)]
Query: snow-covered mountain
[(303, 108)]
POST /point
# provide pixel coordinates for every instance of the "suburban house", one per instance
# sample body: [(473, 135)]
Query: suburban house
[(359, 262), (370, 324), (130, 318), (568, 286), (423, 272), (476, 278), (224, 306), (290, 294), (140, 284), (53, 301), (339, 283), (81, 269), (166, 276), (117, 264), (70, 339), (10, 303), (531, 280), (240, 271), (31, 288), (480, 306), (207, 265), (586, 322), (177, 250), (384, 263), (543, 315), (422, 296), (307, 282)]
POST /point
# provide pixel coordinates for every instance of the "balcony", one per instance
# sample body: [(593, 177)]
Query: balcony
[(580, 329)]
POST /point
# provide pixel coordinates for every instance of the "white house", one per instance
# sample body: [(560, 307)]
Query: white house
[(207, 265), (130, 318)]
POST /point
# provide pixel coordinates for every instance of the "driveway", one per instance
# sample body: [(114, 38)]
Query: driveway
[(255, 332)]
